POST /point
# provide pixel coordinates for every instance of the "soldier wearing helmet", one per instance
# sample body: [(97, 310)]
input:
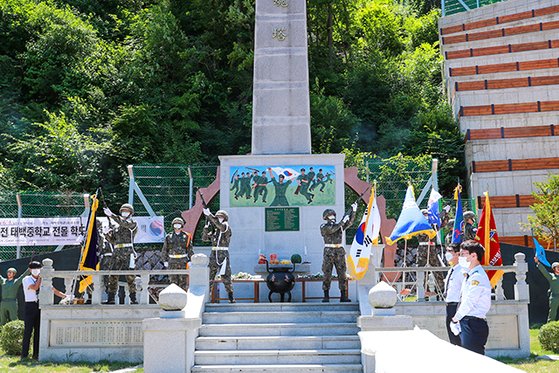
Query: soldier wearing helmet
[(469, 230), (10, 285), (121, 236), (177, 251), (218, 232), (334, 252)]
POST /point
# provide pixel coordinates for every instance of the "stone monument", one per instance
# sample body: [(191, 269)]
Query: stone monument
[(269, 215)]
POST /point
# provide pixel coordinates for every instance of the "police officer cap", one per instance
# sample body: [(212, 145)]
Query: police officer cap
[(12, 270), (469, 215), (34, 265), (223, 214), (327, 213), (424, 211), (178, 221), (555, 264), (127, 206)]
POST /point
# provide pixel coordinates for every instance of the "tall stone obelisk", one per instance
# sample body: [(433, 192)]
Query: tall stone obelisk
[(281, 107)]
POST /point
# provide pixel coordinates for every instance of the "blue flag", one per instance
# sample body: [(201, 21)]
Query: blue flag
[(411, 221), (433, 208), (540, 252), (458, 229)]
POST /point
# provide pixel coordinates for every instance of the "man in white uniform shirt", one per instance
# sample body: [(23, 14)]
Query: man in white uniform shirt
[(475, 300), (452, 288), (32, 314)]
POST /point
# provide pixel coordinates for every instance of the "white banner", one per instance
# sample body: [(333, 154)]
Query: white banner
[(42, 231), (69, 230)]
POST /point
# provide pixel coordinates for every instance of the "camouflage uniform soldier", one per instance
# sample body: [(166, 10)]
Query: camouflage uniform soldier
[(122, 238), (10, 286), (427, 256), (219, 233), (177, 251), (334, 252), (469, 230)]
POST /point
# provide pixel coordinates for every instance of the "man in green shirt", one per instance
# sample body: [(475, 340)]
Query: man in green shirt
[(553, 279), (10, 286)]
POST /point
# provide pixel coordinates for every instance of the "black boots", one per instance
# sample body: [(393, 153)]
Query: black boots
[(133, 298), (326, 298), (231, 299), (111, 299), (344, 298)]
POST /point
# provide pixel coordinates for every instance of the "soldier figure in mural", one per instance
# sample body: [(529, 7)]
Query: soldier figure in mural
[(121, 236), (177, 252), (260, 186), (334, 252), (469, 229), (280, 188), (318, 181), (236, 184), (218, 232), (303, 186)]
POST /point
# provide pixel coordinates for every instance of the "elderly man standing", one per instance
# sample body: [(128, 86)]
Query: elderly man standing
[(553, 279), (10, 285)]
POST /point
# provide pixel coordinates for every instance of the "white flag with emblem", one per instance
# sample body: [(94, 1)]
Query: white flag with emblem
[(365, 237)]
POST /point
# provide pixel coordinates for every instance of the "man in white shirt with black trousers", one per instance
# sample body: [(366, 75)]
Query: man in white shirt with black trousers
[(32, 315), (452, 288), (475, 300)]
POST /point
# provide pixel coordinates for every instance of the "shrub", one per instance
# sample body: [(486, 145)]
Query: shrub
[(11, 337), (549, 336)]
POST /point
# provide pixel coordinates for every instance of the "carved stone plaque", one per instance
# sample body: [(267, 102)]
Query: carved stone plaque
[(96, 333)]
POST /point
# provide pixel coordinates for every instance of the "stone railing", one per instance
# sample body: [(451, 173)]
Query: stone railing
[(71, 282)]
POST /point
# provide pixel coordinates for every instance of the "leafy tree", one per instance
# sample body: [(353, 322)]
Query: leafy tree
[(545, 221)]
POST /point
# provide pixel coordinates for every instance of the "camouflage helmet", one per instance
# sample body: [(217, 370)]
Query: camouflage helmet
[(469, 215), (327, 213), (128, 207), (223, 214), (178, 221)]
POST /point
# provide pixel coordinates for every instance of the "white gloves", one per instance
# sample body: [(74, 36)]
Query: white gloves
[(108, 211), (455, 328), (345, 219), (166, 264), (206, 212), (354, 206)]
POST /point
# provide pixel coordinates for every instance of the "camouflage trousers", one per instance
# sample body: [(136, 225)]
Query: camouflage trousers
[(120, 262), (181, 280), (216, 259), (334, 257), (433, 261)]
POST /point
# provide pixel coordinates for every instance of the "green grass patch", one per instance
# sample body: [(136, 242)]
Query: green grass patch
[(533, 364)]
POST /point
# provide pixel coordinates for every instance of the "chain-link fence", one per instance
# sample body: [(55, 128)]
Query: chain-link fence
[(457, 6)]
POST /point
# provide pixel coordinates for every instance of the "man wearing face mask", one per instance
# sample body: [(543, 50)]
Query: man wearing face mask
[(334, 252), (553, 279), (177, 251), (121, 237), (32, 315), (10, 285), (475, 300), (219, 233), (452, 289)]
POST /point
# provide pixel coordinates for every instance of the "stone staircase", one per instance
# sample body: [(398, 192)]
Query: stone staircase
[(279, 337)]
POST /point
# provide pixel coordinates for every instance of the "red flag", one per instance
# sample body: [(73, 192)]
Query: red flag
[(488, 237)]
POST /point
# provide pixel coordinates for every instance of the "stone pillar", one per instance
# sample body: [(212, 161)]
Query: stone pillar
[(521, 288), (281, 105), (45, 293), (200, 274)]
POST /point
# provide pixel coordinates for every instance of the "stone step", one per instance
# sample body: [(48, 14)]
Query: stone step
[(280, 307), (278, 329), (509, 120), (270, 357), (506, 96), (542, 54), (278, 342), (237, 317), (280, 368)]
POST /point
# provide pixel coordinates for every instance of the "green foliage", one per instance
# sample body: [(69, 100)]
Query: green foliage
[(89, 86), (11, 337), (545, 221), (549, 336)]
